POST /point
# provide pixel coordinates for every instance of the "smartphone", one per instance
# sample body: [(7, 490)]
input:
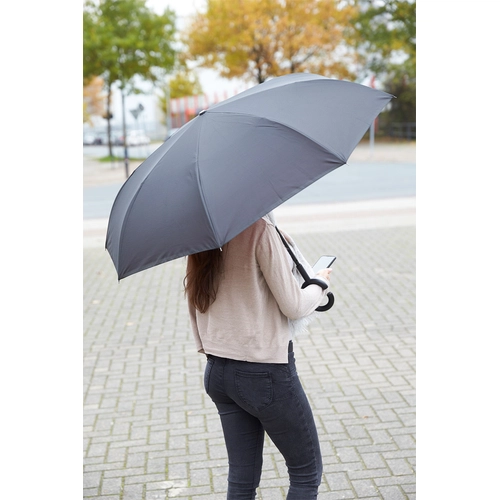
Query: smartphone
[(323, 262)]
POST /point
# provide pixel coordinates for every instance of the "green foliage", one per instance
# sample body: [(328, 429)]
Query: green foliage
[(385, 37), (383, 29), (184, 83), (403, 108), (123, 39)]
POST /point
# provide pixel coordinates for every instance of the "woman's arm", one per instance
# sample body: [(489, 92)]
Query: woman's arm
[(293, 301)]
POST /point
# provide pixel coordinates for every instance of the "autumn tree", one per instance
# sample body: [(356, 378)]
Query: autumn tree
[(257, 39), (93, 99), (124, 40)]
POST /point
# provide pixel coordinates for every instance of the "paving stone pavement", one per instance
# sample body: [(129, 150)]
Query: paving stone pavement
[(151, 432)]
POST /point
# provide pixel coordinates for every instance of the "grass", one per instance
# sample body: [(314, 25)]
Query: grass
[(107, 159)]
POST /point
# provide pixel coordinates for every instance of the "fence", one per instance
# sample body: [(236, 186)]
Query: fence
[(403, 130)]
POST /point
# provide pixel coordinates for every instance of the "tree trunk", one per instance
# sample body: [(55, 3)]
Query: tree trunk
[(108, 119)]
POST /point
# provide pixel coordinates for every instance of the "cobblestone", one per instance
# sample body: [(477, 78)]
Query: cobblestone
[(152, 433)]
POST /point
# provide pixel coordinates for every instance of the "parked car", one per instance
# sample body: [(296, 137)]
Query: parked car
[(134, 138), (91, 139), (97, 138), (138, 139)]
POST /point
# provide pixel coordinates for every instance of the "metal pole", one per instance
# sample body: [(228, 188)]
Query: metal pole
[(169, 115), (372, 137), (125, 150), (372, 126)]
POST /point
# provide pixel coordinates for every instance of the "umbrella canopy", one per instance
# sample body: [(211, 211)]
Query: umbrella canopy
[(234, 163)]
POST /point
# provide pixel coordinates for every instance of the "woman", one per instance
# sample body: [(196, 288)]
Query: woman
[(241, 300)]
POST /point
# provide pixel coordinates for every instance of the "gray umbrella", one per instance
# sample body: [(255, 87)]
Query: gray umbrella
[(234, 163)]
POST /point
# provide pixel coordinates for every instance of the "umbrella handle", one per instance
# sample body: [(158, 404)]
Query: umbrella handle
[(309, 281), (329, 305), (324, 286)]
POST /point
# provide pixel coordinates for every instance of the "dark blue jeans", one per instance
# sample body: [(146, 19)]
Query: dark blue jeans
[(253, 398)]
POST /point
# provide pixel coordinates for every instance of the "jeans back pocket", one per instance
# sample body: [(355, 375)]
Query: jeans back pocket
[(254, 388)]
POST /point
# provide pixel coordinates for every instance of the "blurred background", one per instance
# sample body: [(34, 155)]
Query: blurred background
[(149, 66)]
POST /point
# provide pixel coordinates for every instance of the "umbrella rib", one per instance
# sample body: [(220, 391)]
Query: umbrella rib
[(201, 190), (136, 194), (330, 150), (131, 204), (125, 218)]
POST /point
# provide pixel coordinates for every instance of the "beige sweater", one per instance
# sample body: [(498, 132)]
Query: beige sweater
[(256, 294)]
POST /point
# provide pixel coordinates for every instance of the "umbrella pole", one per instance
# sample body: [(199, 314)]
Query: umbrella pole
[(300, 267), (307, 279)]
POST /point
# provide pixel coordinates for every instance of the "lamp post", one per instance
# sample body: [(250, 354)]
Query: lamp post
[(125, 149), (372, 125), (169, 110)]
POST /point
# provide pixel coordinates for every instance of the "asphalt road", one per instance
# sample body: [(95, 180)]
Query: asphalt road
[(360, 180)]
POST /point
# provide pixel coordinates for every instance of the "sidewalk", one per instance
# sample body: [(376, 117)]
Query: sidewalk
[(150, 431)]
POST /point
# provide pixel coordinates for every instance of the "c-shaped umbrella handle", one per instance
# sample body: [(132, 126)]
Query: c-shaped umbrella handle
[(324, 286), (329, 304), (307, 280)]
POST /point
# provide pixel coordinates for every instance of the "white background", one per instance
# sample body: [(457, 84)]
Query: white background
[(457, 249)]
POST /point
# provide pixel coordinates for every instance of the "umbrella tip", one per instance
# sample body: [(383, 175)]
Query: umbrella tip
[(202, 112)]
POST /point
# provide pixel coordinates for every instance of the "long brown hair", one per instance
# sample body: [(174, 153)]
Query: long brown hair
[(202, 278)]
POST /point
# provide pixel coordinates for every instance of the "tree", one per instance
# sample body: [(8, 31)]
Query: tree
[(386, 36), (256, 39), (184, 83), (93, 99), (124, 40)]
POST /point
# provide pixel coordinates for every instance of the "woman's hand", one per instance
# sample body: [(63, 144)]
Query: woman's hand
[(325, 274)]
